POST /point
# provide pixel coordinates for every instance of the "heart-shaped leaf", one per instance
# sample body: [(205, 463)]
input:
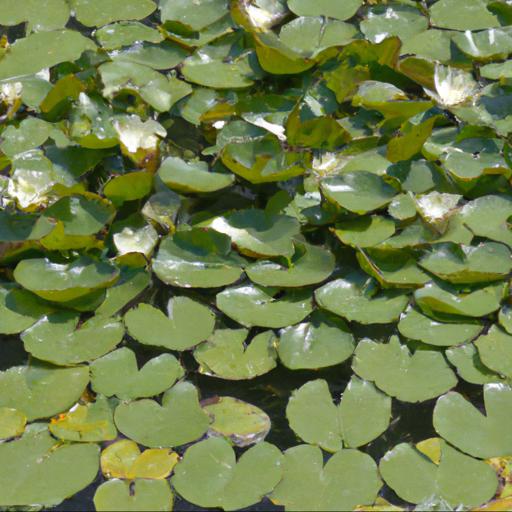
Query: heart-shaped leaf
[(410, 378), (225, 354), (322, 341), (455, 478), (36, 469), (210, 476), (316, 420), (40, 390), (251, 305), (179, 420), (186, 324), (466, 428), (469, 366), (349, 478), (56, 338), (495, 351), (117, 374)]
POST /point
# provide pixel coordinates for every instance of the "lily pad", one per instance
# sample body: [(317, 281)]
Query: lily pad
[(359, 192), (239, 422), (466, 428), (146, 495), (35, 469), (197, 258), (40, 390), (53, 16), (179, 420), (123, 459), (495, 351), (226, 355), (257, 233), (409, 377), (469, 366), (252, 306), (59, 339), (95, 13), (196, 15), (89, 423), (354, 299), (316, 420), (349, 478), (310, 264), (12, 423), (366, 231), (420, 327), (63, 282), (126, 33), (117, 374), (210, 476), (455, 478), (186, 324), (338, 10), (322, 341), (470, 15)]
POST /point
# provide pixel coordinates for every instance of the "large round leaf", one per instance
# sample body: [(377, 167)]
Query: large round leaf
[(64, 282), (226, 355), (197, 259), (36, 469), (179, 420), (210, 476), (95, 13), (495, 351), (251, 306), (59, 339), (410, 378), (472, 15), (186, 324), (338, 10), (42, 390), (349, 478), (365, 231), (117, 374)]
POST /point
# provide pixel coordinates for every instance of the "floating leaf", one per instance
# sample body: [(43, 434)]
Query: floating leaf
[(340, 11), (95, 13), (210, 476), (365, 231), (117, 374), (409, 377), (12, 422), (226, 355), (179, 420), (495, 351), (240, 422), (470, 15), (469, 366), (186, 324)]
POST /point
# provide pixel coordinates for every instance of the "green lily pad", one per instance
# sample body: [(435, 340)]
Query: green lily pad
[(12, 423), (20, 309), (316, 420), (349, 478), (192, 177), (322, 341), (95, 13), (165, 55), (134, 235), (409, 377), (21, 227), (123, 459), (54, 15), (257, 233), (416, 326), (384, 21), (40, 50), (186, 324), (481, 302), (470, 15), (464, 264), (226, 355), (126, 33), (88, 423), (485, 45), (179, 420), (338, 10), (145, 495), (359, 192), (495, 351), (251, 305), (469, 366), (210, 476), (59, 339), (239, 422), (505, 318), (467, 167), (40, 390), (352, 298), (64, 282), (366, 231), (128, 187), (457, 479), (466, 428), (118, 374), (310, 264), (35, 469), (194, 14), (197, 259)]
